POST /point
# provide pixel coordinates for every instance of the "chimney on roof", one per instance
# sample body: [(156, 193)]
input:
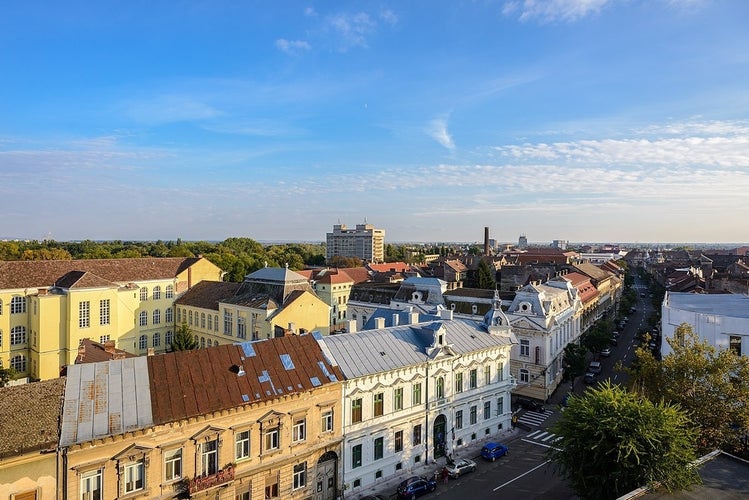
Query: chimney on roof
[(351, 326), (81, 350), (486, 240), (413, 318), (109, 347), (446, 314), (395, 319), (292, 328), (379, 323), (150, 351)]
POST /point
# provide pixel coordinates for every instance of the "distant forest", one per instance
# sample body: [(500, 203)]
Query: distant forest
[(237, 256)]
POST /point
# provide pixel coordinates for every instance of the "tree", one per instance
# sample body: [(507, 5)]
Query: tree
[(598, 337), (6, 375), (486, 276), (614, 441), (184, 340), (711, 385), (574, 361)]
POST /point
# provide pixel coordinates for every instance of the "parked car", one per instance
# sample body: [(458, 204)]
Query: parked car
[(529, 404), (615, 334), (589, 378), (373, 497), (492, 451), (594, 367), (415, 486), (606, 352), (461, 467), (614, 341)]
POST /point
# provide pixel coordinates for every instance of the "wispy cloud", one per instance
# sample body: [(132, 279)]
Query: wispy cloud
[(549, 11), (437, 130), (355, 29), (167, 108), (292, 47)]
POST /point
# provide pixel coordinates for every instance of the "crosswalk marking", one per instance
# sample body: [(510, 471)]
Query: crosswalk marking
[(534, 418), (548, 437)]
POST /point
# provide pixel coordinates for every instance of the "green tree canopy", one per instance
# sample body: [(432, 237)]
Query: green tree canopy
[(6, 375), (184, 340), (614, 441), (574, 361), (712, 385), (486, 276)]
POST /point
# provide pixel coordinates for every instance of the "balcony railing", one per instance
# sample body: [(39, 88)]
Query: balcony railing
[(201, 483)]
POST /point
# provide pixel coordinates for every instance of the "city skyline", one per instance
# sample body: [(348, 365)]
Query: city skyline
[(588, 120)]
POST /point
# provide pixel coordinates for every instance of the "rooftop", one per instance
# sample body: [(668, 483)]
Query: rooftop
[(729, 305)]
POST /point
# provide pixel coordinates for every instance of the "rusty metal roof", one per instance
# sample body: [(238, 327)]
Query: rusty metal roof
[(189, 383), (106, 398)]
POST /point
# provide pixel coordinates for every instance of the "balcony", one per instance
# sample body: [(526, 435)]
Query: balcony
[(201, 483)]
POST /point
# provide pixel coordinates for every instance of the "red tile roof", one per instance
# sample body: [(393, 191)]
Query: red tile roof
[(92, 352)]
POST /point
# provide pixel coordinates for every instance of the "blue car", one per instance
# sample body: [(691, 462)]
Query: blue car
[(416, 486), (492, 451)]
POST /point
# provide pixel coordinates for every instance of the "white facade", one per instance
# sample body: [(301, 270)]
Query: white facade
[(721, 319), (417, 392)]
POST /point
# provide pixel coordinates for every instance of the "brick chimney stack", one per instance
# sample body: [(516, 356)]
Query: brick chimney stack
[(109, 347)]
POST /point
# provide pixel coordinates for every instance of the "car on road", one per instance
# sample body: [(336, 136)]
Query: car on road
[(462, 466), (589, 378), (594, 367), (492, 451), (606, 352), (614, 341), (529, 404), (415, 486)]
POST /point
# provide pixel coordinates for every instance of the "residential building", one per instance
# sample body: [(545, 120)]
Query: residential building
[(720, 319), (256, 420), (365, 242), (47, 308), (333, 286), (419, 391), (29, 417)]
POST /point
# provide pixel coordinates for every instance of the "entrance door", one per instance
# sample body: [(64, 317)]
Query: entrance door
[(325, 477), (440, 439)]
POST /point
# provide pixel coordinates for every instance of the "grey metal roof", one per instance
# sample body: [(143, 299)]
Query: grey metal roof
[(277, 275), (386, 349), (107, 398), (729, 305)]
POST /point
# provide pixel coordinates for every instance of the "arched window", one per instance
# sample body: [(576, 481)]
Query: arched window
[(524, 376), (18, 363), (18, 305), (156, 339), (144, 293), (202, 342), (440, 388), (143, 343), (143, 318), (189, 318), (210, 322), (169, 292), (202, 321), (157, 293), (18, 335), (168, 338), (157, 317)]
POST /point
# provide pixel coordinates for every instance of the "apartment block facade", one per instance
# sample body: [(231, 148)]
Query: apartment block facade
[(365, 242)]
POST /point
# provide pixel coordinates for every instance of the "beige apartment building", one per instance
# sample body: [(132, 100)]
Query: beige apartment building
[(365, 242), (48, 307), (256, 420)]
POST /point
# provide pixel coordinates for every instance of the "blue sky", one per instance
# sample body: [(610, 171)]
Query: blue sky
[(587, 120)]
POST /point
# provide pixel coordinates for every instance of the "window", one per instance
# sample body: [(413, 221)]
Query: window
[(327, 421), (189, 318), (210, 322), (416, 394), (459, 419), (143, 342), (91, 487), (241, 328), (215, 322), (242, 445), (524, 376), (18, 335), (458, 382), (18, 363), (1, 307), (487, 375), (173, 465), (300, 475), (525, 348), (487, 410), (84, 314), (272, 439), (299, 430), (156, 339), (103, 338), (168, 338), (398, 399), (202, 320), (169, 292), (18, 305), (501, 371), (144, 293), (209, 457), (378, 405), (134, 477), (379, 447), (157, 317), (473, 414), (473, 379), (500, 405), (356, 411), (169, 315), (104, 312), (157, 293), (202, 342), (356, 456), (417, 435), (440, 388), (271, 487), (143, 318), (228, 322), (398, 441), (734, 344)]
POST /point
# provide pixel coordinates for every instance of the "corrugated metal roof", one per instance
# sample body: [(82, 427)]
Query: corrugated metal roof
[(107, 398), (386, 349)]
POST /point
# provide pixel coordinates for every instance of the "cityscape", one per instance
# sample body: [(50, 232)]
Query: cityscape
[(374, 251)]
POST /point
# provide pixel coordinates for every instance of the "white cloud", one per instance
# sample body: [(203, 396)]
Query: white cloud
[(292, 46), (169, 109), (353, 28), (389, 17), (549, 11), (310, 12), (437, 130)]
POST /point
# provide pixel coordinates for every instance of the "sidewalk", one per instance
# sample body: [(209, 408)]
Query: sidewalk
[(386, 488)]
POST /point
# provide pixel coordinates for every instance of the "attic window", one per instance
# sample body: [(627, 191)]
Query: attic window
[(287, 362), (382, 353), (441, 339)]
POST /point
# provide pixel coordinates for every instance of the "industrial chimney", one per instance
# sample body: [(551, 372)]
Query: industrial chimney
[(486, 240)]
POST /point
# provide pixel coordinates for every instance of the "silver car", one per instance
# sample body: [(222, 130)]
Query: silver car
[(460, 467)]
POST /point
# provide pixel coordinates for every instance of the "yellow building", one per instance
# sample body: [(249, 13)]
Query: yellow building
[(270, 302), (29, 415), (256, 420), (48, 307)]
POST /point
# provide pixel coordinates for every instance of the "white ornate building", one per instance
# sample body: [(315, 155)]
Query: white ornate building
[(420, 391)]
